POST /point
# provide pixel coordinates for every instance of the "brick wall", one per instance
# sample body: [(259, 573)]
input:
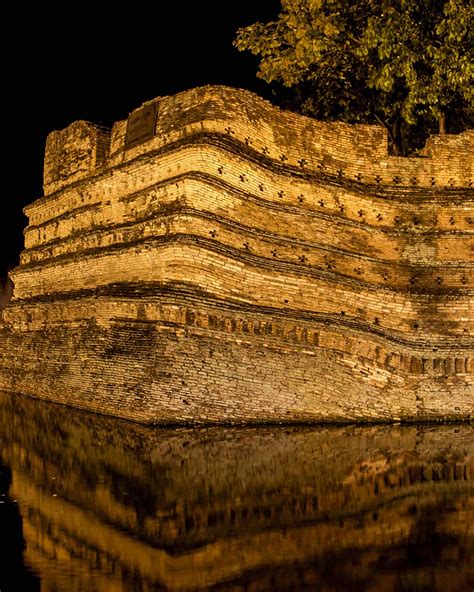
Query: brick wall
[(278, 240)]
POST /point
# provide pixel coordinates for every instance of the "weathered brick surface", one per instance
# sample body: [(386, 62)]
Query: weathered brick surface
[(246, 264)]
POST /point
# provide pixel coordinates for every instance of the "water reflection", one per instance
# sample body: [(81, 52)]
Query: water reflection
[(14, 575), (111, 506)]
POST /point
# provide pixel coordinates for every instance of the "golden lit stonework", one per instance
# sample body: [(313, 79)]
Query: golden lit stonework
[(215, 259)]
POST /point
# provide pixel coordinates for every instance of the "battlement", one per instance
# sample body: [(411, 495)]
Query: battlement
[(356, 153), (74, 153)]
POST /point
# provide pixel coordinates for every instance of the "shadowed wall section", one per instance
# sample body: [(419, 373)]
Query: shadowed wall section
[(6, 291), (216, 259)]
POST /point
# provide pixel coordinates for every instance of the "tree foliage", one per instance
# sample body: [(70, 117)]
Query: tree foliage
[(406, 64)]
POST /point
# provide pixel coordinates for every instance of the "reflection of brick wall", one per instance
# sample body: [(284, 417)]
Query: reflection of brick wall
[(220, 493), (240, 234)]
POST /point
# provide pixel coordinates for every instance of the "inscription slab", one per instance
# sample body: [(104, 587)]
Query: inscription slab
[(141, 125)]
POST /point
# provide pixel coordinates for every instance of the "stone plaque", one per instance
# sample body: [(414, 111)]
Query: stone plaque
[(141, 125)]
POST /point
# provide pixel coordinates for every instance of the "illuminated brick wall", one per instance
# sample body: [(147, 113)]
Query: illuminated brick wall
[(247, 264)]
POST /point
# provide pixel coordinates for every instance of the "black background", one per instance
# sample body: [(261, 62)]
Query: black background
[(80, 62)]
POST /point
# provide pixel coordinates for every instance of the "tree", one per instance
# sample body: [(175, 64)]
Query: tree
[(406, 64)]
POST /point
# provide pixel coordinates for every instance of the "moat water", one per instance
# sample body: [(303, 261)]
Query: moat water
[(93, 504)]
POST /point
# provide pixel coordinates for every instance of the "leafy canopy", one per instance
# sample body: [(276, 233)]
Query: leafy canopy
[(406, 64)]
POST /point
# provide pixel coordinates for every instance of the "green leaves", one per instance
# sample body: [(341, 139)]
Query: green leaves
[(393, 61)]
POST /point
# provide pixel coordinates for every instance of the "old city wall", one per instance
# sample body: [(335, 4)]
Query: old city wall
[(225, 221)]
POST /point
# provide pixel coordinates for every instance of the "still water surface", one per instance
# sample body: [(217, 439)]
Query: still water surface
[(93, 504)]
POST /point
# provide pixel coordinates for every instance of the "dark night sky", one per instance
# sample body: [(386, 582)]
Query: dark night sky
[(99, 68)]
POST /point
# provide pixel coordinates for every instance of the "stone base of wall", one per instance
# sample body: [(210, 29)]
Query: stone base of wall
[(182, 359)]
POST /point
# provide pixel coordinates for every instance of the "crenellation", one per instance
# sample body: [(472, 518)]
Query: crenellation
[(75, 153), (214, 258)]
